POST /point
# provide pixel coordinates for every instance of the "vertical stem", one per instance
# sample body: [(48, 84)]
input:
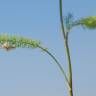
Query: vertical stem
[(61, 19), (65, 35), (69, 67)]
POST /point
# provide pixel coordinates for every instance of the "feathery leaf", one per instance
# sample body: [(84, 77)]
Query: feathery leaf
[(88, 22), (9, 42)]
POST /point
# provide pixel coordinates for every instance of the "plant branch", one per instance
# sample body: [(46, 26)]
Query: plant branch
[(57, 62), (11, 42), (65, 35)]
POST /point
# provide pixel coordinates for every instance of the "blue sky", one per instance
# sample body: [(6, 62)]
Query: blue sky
[(26, 72)]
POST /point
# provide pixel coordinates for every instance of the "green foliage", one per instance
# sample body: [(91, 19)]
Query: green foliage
[(88, 22), (18, 41)]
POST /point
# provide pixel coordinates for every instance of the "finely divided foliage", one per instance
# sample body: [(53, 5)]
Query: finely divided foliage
[(88, 22), (18, 42)]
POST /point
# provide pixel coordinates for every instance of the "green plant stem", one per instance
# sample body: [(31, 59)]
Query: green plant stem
[(57, 62), (69, 67), (61, 19), (65, 35)]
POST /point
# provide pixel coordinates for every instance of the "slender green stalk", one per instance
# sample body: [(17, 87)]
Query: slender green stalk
[(61, 19), (67, 50), (69, 67), (57, 62)]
